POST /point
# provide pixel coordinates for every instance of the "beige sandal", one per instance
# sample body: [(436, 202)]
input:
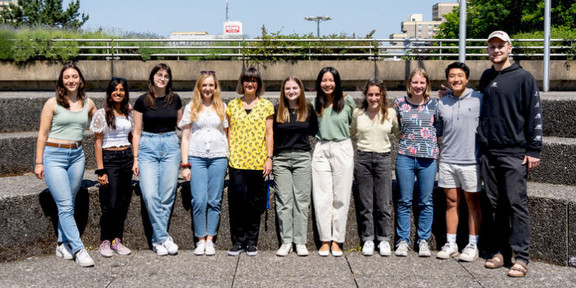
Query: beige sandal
[(519, 269), (497, 261)]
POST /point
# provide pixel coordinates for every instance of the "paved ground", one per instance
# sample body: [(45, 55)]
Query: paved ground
[(145, 269)]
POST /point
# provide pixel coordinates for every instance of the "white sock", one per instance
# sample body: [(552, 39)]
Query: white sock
[(451, 238), (473, 239)]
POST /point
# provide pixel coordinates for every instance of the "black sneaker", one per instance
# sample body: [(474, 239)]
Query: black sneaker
[(235, 250), (251, 250)]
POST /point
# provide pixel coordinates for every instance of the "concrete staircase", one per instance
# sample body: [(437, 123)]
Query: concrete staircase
[(28, 214)]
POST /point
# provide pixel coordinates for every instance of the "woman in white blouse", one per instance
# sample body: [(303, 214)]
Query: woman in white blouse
[(204, 150), (112, 127)]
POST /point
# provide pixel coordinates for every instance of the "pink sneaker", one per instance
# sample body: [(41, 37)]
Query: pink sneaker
[(119, 247), (105, 249)]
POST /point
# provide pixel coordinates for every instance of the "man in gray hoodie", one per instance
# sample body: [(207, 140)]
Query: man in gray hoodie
[(457, 116)]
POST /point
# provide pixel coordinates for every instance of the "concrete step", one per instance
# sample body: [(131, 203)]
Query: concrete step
[(20, 111), (28, 213)]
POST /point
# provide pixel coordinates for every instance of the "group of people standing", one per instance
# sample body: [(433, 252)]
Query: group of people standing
[(250, 139)]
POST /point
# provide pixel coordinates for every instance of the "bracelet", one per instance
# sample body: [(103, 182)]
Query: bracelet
[(270, 157), (184, 166), (39, 163), (101, 172)]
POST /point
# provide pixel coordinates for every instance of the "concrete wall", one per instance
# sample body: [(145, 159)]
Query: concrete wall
[(43, 75)]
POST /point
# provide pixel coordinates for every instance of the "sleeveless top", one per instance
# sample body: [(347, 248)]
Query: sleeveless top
[(68, 125)]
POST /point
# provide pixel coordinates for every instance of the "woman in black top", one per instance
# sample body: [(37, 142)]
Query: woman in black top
[(157, 153), (294, 122)]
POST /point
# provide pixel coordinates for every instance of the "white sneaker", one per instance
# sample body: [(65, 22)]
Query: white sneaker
[(401, 249), (368, 248), (200, 248), (448, 250), (159, 249), (424, 249), (63, 251), (284, 250), (170, 246), (384, 248), (210, 250), (83, 258), (469, 254), (301, 250)]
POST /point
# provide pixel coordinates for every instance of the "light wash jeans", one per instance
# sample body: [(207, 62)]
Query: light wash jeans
[(159, 164), (206, 187), (63, 172), (424, 169)]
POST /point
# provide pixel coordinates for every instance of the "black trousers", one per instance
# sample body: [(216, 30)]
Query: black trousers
[(508, 219), (373, 179), (246, 201), (116, 196)]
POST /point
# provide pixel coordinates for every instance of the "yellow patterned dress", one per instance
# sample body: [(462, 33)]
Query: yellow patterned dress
[(247, 130)]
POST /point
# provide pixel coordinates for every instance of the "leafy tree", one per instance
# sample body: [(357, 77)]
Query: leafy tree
[(44, 13), (512, 16)]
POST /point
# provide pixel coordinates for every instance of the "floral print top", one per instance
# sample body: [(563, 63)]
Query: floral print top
[(418, 135)]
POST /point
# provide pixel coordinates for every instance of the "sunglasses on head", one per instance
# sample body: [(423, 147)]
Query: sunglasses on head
[(210, 72), (120, 79)]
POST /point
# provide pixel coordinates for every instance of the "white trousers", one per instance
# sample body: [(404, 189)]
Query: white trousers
[(332, 174)]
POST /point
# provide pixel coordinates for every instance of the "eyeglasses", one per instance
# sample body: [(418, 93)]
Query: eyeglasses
[(251, 80), (160, 76), (210, 72)]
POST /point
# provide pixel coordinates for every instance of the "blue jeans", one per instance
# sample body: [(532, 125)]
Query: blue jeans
[(159, 164), (63, 171), (424, 169), (206, 187)]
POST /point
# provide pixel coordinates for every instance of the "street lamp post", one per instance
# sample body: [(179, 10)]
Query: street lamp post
[(318, 19)]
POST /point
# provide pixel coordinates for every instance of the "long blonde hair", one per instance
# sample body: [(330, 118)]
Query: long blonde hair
[(283, 113), (197, 105)]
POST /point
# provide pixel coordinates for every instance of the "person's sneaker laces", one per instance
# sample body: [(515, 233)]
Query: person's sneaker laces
[(235, 250), (200, 248), (210, 249), (368, 248), (63, 251), (469, 254), (401, 249), (284, 250), (83, 258), (170, 246), (447, 251), (119, 248), (423, 249), (301, 250), (159, 249), (384, 248), (251, 250), (105, 249)]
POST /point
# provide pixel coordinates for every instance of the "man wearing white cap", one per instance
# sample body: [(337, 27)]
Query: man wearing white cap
[(510, 137)]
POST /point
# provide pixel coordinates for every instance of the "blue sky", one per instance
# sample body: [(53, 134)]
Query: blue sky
[(162, 17)]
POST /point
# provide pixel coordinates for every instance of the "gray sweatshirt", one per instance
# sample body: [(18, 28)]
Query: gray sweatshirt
[(457, 122)]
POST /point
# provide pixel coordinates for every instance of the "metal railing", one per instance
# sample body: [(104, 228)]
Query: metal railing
[(305, 49)]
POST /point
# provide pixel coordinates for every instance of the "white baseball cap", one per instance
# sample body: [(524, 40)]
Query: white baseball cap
[(500, 35)]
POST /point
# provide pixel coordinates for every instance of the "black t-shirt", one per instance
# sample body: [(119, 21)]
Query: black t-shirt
[(162, 119), (294, 134)]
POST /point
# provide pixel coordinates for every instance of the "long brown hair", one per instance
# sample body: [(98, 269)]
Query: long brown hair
[(109, 106), (283, 111), (61, 89), (149, 101), (196, 102), (383, 102)]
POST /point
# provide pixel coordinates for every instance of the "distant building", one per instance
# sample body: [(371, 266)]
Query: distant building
[(415, 27)]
